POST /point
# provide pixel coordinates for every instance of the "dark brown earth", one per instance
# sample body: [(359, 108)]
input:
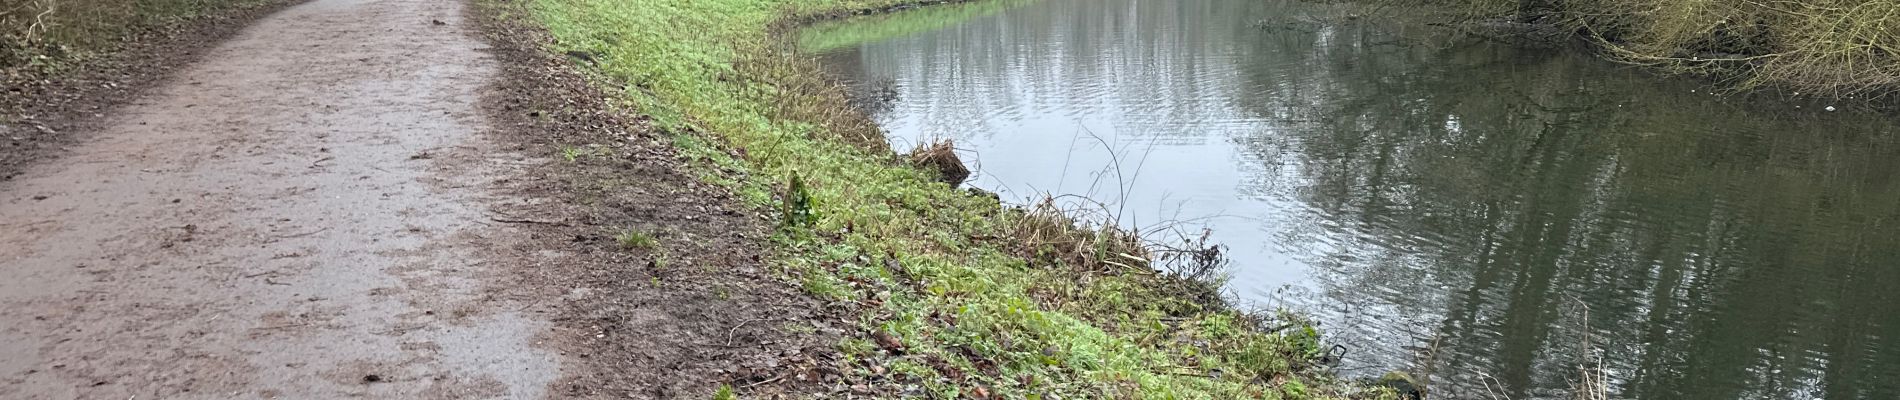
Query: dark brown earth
[(370, 199), (43, 111), (702, 308)]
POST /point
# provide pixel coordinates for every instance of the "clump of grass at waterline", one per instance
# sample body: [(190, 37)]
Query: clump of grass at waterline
[(951, 294), (1826, 47), (49, 34)]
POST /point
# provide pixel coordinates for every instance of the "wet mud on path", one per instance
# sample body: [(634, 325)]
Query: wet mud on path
[(302, 214)]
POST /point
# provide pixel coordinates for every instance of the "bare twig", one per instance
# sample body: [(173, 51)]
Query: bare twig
[(39, 21), (524, 221), (298, 235), (763, 382), (735, 329), (531, 304), (1592, 383)]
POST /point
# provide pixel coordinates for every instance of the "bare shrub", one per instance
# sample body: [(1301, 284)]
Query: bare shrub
[(1080, 237), (1825, 47), (941, 157)]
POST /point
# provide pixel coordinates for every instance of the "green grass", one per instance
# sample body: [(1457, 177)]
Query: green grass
[(942, 274), (634, 239), (845, 33)]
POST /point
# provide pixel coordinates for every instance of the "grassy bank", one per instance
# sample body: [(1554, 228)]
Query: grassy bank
[(829, 35), (49, 34), (945, 294), (1828, 47)]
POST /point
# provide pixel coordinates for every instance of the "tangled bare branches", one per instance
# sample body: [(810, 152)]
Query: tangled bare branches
[(1081, 234), (1837, 48), (1827, 47)]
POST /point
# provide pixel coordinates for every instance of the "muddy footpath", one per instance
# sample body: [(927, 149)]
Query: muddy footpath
[(370, 199), (299, 214)]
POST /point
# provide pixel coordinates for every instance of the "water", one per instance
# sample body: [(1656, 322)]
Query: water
[(1410, 186)]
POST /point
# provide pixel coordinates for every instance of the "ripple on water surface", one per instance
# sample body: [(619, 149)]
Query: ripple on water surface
[(1428, 194)]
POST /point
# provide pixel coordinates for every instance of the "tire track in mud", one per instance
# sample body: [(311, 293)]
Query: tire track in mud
[(300, 214)]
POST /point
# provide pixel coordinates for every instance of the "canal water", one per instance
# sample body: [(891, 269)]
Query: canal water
[(1487, 214)]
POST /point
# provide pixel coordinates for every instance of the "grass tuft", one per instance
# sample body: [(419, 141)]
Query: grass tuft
[(634, 239), (572, 154)]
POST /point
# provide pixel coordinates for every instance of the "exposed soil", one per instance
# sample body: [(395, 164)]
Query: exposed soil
[(700, 309), (42, 112), (306, 212)]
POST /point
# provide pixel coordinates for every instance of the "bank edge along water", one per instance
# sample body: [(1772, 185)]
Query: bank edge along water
[(944, 292)]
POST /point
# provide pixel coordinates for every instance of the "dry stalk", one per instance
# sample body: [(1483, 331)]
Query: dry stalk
[(1840, 48), (39, 20), (1591, 383)]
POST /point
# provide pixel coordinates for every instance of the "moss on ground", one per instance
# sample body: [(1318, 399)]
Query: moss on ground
[(950, 294)]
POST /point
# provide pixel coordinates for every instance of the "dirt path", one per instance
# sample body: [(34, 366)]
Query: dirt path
[(302, 214)]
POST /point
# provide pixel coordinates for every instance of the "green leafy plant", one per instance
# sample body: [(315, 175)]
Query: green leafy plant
[(797, 210), (634, 239), (571, 153)]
